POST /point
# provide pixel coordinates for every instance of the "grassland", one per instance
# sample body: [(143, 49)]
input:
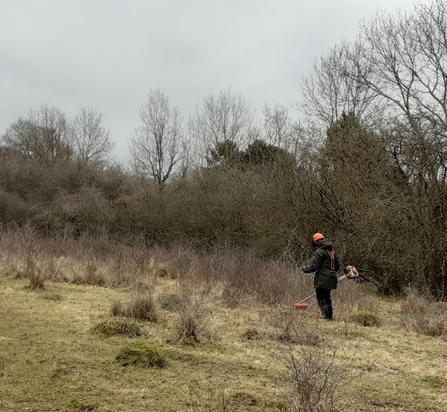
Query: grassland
[(51, 358)]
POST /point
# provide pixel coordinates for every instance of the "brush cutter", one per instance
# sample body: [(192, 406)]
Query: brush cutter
[(372, 281), (302, 304), (350, 272)]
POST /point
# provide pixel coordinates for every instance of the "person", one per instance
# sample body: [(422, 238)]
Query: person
[(325, 264)]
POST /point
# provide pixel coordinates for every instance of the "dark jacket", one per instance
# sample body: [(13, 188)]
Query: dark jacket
[(325, 264)]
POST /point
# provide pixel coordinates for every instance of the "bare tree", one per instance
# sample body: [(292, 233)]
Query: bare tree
[(226, 118), (398, 63), (44, 135), (91, 140), (329, 92), (20, 136), (409, 56), (395, 68), (277, 125), (409, 53), (156, 147)]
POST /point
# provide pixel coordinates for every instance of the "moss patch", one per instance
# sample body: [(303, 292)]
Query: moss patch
[(113, 327), (142, 354)]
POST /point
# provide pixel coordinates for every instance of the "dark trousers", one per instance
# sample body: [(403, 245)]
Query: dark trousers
[(324, 302)]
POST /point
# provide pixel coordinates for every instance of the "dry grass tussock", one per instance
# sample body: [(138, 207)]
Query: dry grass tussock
[(141, 306), (247, 348), (422, 314), (193, 323), (291, 326), (351, 297)]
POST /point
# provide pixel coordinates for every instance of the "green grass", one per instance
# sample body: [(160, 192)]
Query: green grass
[(142, 354), (112, 327), (51, 361)]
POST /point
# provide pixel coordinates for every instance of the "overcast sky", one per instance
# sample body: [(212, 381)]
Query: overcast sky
[(108, 54)]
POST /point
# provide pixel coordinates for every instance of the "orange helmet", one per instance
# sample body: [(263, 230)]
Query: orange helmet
[(316, 237)]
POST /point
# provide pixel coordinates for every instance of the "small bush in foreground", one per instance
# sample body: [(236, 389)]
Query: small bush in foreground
[(365, 319), (242, 399), (113, 327), (188, 328), (142, 354), (314, 378)]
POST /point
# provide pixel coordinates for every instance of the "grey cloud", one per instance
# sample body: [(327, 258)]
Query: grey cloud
[(108, 54)]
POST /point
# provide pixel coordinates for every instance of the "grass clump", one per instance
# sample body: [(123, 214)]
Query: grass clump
[(111, 327), (91, 276), (142, 354), (365, 318), (292, 327), (172, 302), (251, 334), (81, 406), (242, 399), (192, 324), (141, 307), (57, 297), (189, 328), (421, 314), (35, 274)]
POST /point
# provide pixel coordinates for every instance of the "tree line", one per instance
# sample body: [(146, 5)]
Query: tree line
[(366, 166)]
